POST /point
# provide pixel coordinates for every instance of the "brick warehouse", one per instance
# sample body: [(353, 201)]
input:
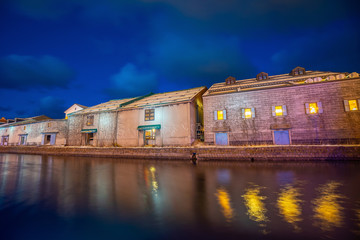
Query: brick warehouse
[(302, 107)]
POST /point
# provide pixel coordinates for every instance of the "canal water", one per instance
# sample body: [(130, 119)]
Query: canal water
[(45, 197)]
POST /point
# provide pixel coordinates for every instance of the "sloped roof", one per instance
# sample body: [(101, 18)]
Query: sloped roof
[(82, 106), (107, 106), (282, 80), (28, 120), (166, 98)]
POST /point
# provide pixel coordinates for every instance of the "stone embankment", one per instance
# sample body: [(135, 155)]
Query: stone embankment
[(203, 153)]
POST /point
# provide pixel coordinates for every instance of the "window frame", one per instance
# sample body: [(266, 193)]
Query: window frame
[(283, 110), (149, 114), (243, 111), (216, 115), (319, 108), (90, 120), (152, 135), (347, 104)]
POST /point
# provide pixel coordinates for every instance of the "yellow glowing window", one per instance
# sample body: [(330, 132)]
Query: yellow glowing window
[(353, 105), (248, 113), (313, 109), (278, 110), (150, 134), (220, 115)]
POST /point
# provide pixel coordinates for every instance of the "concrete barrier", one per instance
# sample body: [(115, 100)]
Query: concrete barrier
[(209, 153)]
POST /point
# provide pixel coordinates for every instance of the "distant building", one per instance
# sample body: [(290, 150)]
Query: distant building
[(74, 108), (302, 107), (164, 119), (40, 130)]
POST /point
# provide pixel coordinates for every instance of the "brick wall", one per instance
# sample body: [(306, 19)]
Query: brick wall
[(334, 125)]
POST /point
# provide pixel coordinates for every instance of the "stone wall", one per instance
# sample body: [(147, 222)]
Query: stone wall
[(334, 125), (34, 132), (269, 153)]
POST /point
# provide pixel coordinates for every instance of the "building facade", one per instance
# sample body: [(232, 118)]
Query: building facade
[(302, 107), (40, 130), (164, 119)]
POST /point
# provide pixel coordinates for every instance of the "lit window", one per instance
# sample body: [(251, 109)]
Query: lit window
[(24, 127), (278, 111), (149, 114), (220, 115), (90, 120), (313, 108), (353, 106), (248, 113), (150, 134)]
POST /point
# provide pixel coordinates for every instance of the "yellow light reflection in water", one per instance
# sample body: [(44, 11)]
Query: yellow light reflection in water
[(254, 204), (289, 205), (327, 208), (225, 202), (154, 183)]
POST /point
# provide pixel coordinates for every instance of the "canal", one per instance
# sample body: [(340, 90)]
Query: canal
[(54, 197)]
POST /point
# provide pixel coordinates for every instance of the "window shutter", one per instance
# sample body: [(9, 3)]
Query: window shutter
[(224, 114), (43, 139), (243, 112), (358, 104), (253, 112), (346, 105), (284, 110), (307, 110), (215, 115), (273, 111), (320, 108)]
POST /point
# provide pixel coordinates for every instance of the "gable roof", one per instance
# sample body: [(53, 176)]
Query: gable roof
[(106, 106), (282, 80), (166, 98), (79, 105)]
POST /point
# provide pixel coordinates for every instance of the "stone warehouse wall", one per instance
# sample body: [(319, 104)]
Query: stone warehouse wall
[(269, 153), (34, 132), (334, 125)]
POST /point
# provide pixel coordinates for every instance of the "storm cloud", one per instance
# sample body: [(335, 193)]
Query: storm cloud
[(23, 72)]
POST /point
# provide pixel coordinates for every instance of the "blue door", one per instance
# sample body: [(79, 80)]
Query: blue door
[(221, 138), (281, 137)]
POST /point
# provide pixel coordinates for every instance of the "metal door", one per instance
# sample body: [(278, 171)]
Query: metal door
[(221, 138), (281, 137)]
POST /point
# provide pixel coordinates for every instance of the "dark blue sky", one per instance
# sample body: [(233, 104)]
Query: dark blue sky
[(54, 53)]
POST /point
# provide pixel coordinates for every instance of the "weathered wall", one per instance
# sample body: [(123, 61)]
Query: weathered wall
[(334, 125), (104, 122), (174, 120), (34, 132)]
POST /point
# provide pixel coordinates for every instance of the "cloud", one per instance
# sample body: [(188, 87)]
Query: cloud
[(23, 72), (131, 81), (50, 106), (199, 59)]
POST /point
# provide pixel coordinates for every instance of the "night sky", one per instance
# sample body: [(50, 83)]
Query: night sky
[(54, 53)]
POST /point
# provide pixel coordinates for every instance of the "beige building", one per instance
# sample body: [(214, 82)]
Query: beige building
[(40, 130), (74, 108), (164, 119), (301, 107)]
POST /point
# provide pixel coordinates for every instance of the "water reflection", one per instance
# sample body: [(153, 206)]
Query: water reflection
[(289, 205), (167, 197), (327, 207), (254, 203), (225, 203)]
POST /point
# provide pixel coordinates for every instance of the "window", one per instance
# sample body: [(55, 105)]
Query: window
[(230, 80), (220, 115), (248, 113), (24, 127), (279, 110), (90, 120), (352, 105), (149, 114), (262, 76), (313, 108), (298, 71), (49, 124), (150, 134)]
